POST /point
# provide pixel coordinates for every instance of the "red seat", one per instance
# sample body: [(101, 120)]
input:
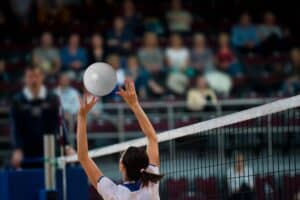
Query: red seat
[(102, 126), (264, 184), (177, 188), (291, 185), (207, 188)]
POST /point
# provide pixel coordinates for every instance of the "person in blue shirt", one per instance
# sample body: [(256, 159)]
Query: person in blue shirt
[(73, 57), (119, 38), (244, 35)]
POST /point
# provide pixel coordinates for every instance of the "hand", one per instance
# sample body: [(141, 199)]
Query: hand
[(16, 159), (129, 94), (86, 106)]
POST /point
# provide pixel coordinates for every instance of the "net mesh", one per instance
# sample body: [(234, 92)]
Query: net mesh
[(253, 154)]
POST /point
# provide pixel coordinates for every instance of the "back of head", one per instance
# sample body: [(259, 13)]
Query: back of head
[(136, 162)]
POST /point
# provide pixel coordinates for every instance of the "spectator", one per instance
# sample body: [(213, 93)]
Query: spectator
[(202, 59), (68, 96), (292, 70), (197, 98), (240, 180), (97, 52), (154, 25), (150, 55), (119, 39), (132, 19), (46, 56), (4, 77), (270, 34), (138, 75), (178, 19), (178, 60), (177, 55), (244, 35), (40, 116), (226, 60), (152, 60), (74, 58), (21, 9), (114, 61)]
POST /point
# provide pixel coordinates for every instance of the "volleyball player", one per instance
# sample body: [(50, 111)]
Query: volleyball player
[(139, 167)]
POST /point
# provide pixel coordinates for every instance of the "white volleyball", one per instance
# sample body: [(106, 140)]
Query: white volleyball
[(99, 79)]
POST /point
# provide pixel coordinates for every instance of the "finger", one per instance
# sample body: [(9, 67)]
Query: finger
[(131, 85), (127, 85), (85, 98), (121, 89), (80, 100)]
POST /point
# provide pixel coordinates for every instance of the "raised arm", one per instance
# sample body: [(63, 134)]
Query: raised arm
[(89, 166), (130, 97)]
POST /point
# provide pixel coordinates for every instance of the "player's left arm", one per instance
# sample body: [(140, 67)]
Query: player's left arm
[(89, 166), (130, 96)]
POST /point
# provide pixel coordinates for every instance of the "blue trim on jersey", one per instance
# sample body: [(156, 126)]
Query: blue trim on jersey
[(133, 186), (100, 178)]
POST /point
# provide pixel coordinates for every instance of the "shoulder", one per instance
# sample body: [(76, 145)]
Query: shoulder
[(18, 98)]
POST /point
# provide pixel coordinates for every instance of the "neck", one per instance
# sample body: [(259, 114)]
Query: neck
[(35, 90)]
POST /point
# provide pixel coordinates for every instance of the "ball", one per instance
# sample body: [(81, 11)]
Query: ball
[(99, 79)]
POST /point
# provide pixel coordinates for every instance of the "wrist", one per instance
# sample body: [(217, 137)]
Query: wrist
[(135, 106)]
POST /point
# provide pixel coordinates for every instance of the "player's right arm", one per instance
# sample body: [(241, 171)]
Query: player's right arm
[(130, 96), (89, 166)]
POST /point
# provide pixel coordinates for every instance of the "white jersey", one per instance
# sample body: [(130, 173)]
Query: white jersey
[(129, 191)]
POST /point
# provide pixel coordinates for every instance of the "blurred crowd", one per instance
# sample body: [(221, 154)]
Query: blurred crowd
[(167, 58)]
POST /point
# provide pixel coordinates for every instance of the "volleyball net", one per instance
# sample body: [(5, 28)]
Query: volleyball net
[(252, 154)]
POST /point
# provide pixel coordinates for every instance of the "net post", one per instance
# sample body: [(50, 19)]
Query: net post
[(49, 167)]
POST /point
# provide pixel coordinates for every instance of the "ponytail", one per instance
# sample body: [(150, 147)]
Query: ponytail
[(147, 177)]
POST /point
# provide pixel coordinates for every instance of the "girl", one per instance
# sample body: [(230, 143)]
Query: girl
[(139, 167)]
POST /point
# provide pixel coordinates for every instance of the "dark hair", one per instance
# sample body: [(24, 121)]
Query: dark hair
[(32, 68), (136, 161)]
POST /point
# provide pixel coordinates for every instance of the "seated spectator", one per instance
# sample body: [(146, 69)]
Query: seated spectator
[(74, 58), (226, 60), (4, 76), (177, 57), (150, 55), (140, 77), (97, 52), (154, 25), (68, 96), (292, 71), (270, 34), (178, 19), (114, 61), (240, 179), (131, 17), (46, 56), (202, 59), (119, 38), (244, 35), (198, 97)]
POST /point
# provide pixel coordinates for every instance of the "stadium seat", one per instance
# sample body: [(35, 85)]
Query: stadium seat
[(265, 188), (291, 185), (207, 188), (177, 188)]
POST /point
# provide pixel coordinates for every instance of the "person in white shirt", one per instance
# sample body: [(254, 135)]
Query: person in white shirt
[(177, 55), (139, 167), (240, 179), (68, 96)]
